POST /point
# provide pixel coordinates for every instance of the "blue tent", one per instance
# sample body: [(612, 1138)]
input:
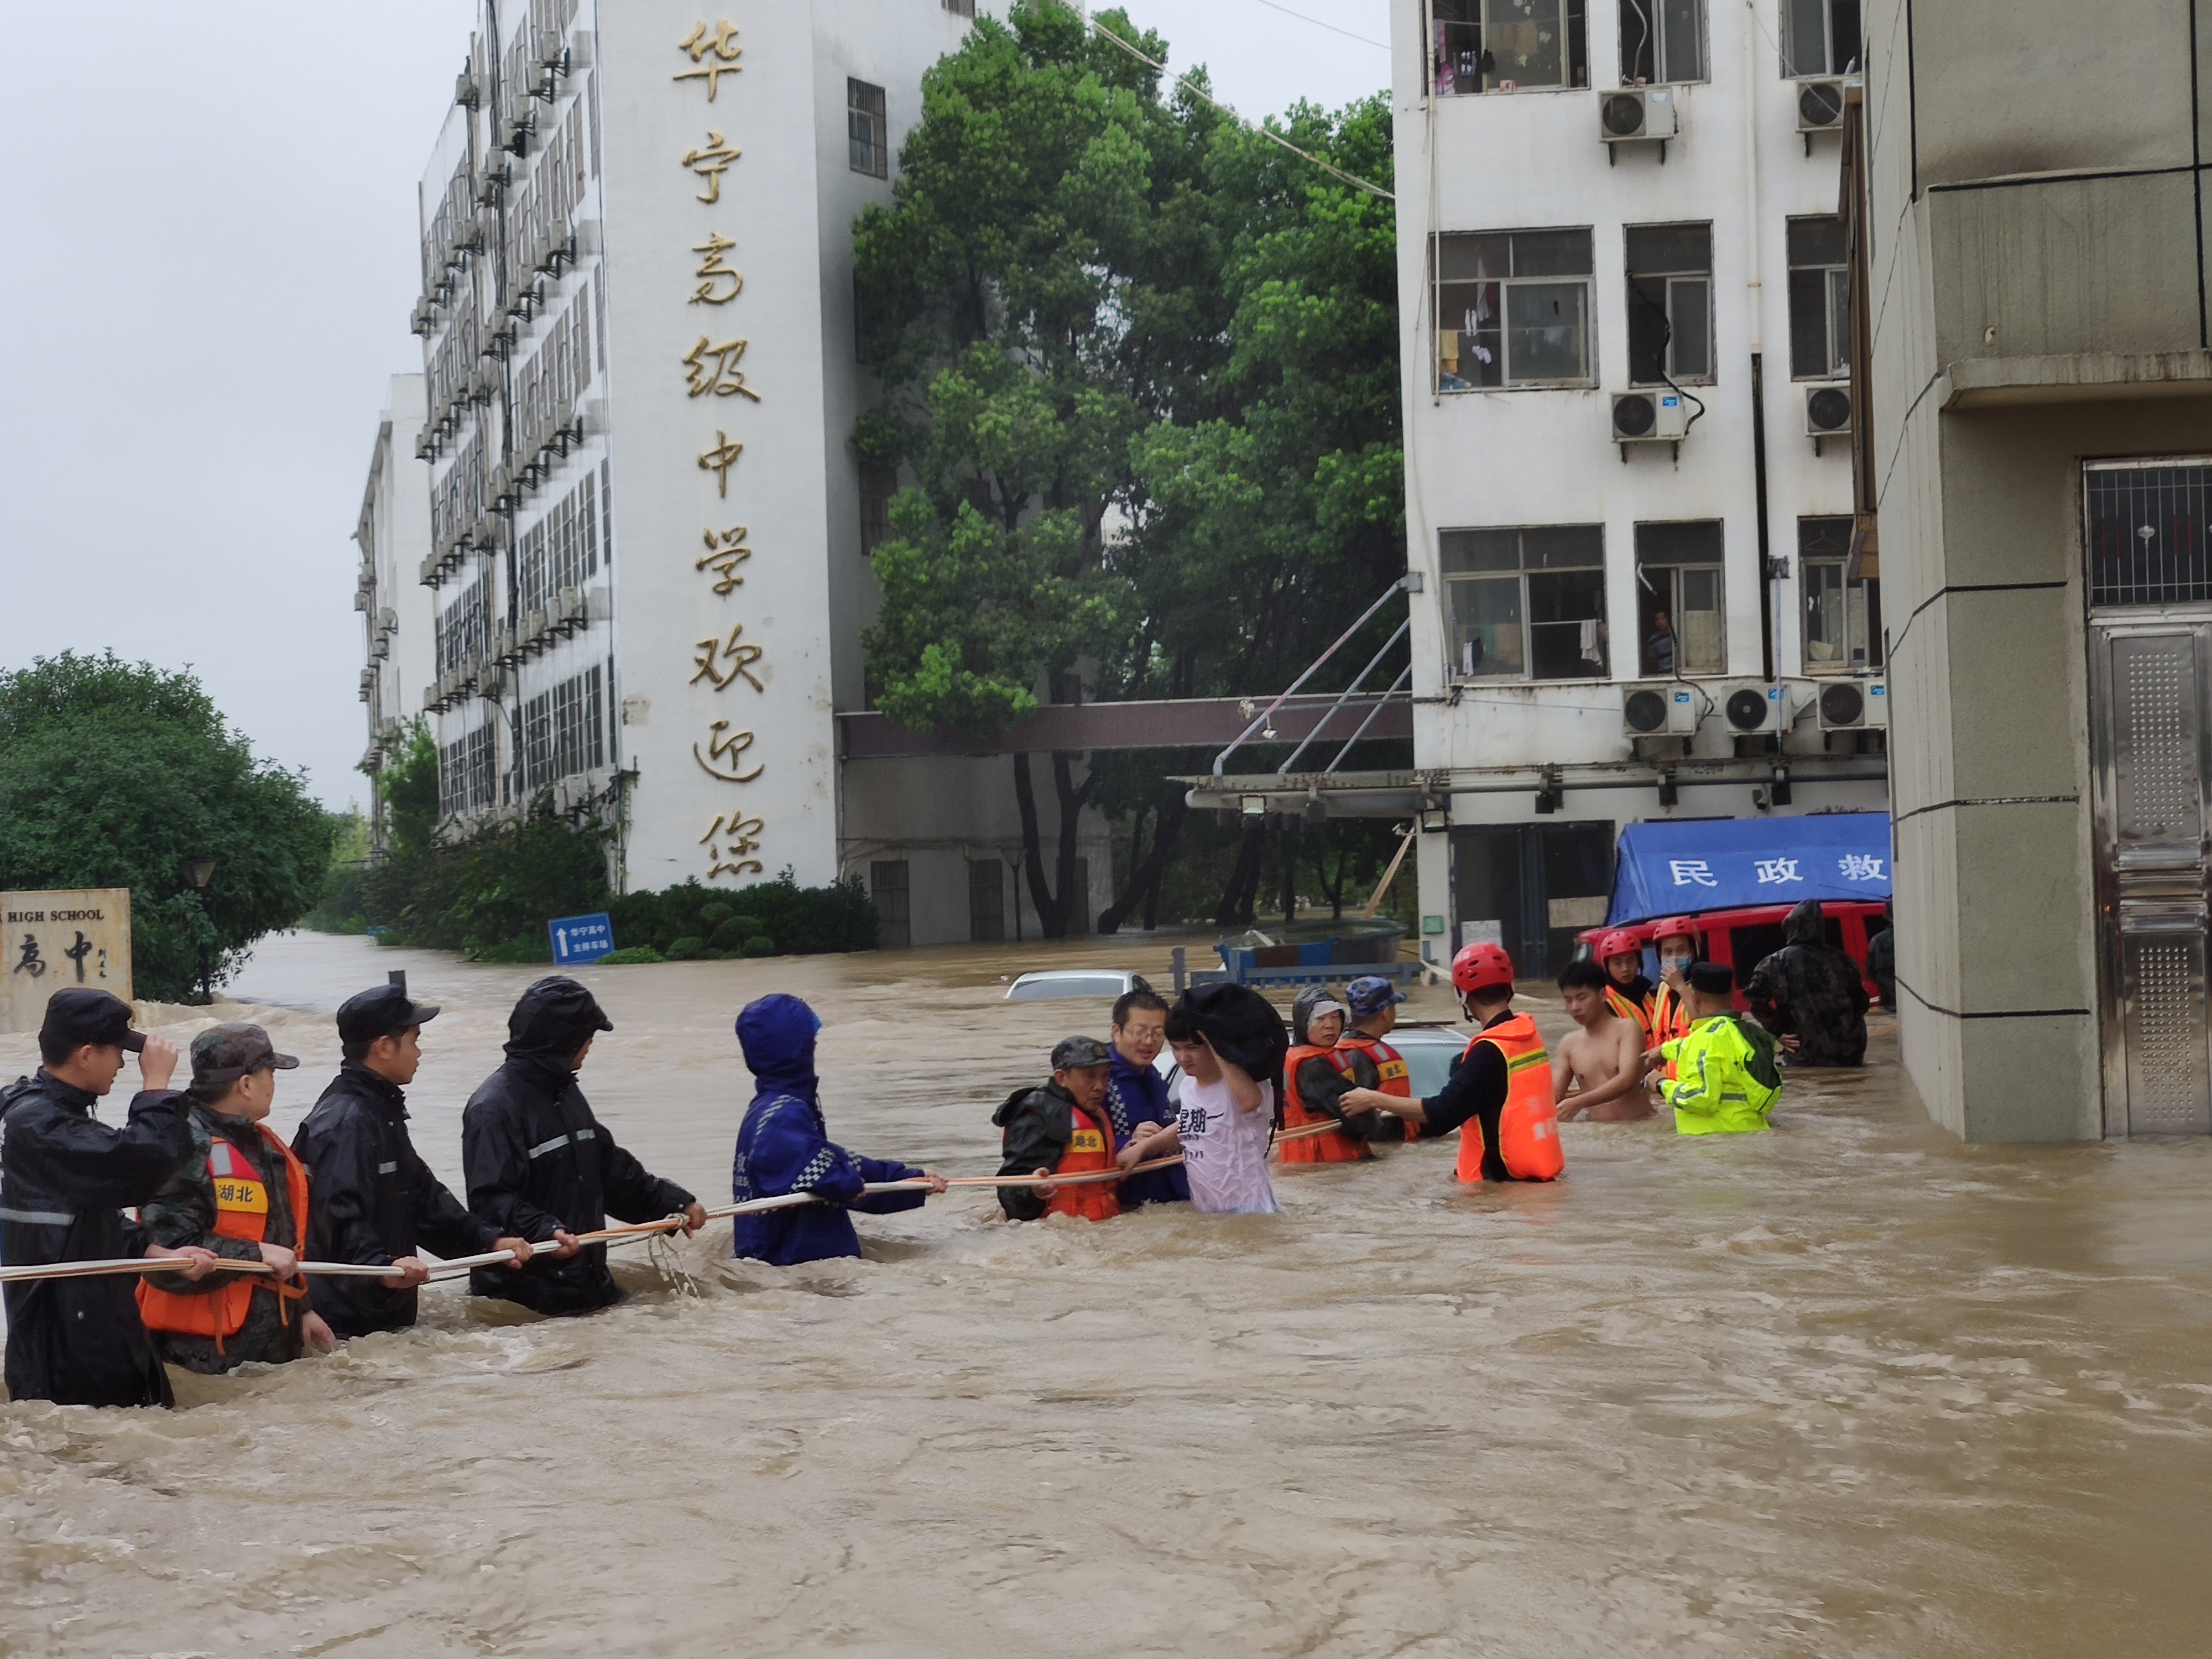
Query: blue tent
[(1721, 864)]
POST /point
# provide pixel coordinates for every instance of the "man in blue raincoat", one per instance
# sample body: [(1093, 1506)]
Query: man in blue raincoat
[(783, 1146)]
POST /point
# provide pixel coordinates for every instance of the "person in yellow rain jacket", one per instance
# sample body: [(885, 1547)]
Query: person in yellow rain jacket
[(1725, 1078)]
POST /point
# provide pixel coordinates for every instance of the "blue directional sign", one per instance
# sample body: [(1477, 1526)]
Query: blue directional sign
[(580, 939)]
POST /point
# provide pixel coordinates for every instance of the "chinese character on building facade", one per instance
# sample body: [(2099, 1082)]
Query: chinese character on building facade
[(716, 54), (723, 555)]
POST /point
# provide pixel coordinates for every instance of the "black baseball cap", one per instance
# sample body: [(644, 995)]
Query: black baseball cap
[(223, 1054), (1713, 978), (384, 1011), (85, 1014), (1078, 1054)]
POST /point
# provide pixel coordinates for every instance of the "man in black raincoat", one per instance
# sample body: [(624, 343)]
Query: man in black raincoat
[(1810, 995), (65, 1180), (540, 1165), (374, 1197)]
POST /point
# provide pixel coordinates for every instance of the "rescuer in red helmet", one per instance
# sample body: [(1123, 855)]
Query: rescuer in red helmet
[(1628, 992), (1499, 1098)]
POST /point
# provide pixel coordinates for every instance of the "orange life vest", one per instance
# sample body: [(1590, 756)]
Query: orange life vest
[(1334, 1147), (241, 1210), (1090, 1148), (1528, 1127), (1390, 1064), (1618, 1000), (1669, 1017)]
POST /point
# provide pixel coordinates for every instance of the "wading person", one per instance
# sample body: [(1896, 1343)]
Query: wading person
[(243, 1195), (1810, 995), (1499, 1097), (1137, 1095), (1627, 992), (1668, 1015), (1365, 1049), (1062, 1127), (1725, 1080), (1881, 958), (784, 1146), (1228, 1042), (1316, 1076), (539, 1164), (65, 1178), (1598, 1071), (375, 1199)]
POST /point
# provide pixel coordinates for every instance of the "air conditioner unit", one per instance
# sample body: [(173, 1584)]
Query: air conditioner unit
[(421, 321), (1853, 705), (465, 91), (469, 235), (1828, 411), (1820, 104), (491, 183), (550, 56), (1637, 114), (1654, 416), (515, 128), (1751, 708), (1659, 709)]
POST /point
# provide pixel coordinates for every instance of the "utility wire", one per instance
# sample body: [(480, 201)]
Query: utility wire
[(1379, 45), (1268, 133)]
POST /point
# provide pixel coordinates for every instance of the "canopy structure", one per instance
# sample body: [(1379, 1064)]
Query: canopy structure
[(1724, 864)]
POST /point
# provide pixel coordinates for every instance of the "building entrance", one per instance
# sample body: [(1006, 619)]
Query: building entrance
[(1538, 883), (2150, 687)]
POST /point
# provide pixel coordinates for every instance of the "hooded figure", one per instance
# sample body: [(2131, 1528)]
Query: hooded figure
[(1881, 958), (537, 1160), (784, 1146), (1810, 990)]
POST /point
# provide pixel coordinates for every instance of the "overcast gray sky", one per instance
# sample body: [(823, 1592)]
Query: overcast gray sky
[(208, 289)]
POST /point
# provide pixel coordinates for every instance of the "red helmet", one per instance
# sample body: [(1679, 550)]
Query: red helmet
[(1675, 927), (1481, 966), (1619, 943)]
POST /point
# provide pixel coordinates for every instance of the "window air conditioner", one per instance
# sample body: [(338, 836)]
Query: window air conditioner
[(1659, 709), (421, 321), (1854, 705), (1828, 411), (1820, 104), (465, 91), (1637, 115), (1751, 708), (489, 184), (549, 57), (1654, 416)]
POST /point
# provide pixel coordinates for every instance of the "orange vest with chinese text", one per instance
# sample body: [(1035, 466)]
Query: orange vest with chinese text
[(1333, 1147), (1528, 1127), (241, 1210), (1089, 1149)]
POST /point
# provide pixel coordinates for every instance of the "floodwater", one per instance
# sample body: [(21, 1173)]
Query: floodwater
[(1846, 1389)]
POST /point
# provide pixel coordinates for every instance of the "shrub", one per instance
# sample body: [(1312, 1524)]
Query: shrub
[(686, 949), (760, 946), (631, 956)]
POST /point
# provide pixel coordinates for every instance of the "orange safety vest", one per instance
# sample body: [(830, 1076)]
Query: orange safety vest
[(1334, 1147), (1617, 1000), (1390, 1064), (1528, 1127), (1089, 1149), (1669, 1017), (241, 1210)]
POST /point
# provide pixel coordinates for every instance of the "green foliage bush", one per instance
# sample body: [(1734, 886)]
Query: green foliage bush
[(631, 956), (785, 918), (115, 774), (759, 946)]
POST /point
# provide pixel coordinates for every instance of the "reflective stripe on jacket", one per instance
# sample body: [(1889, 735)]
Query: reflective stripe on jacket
[(1621, 1005), (1714, 1091), (1528, 1124)]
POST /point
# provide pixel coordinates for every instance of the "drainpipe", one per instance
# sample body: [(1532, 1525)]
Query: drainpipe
[(1755, 294)]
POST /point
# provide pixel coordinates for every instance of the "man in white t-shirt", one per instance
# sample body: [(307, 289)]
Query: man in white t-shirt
[(1223, 1124)]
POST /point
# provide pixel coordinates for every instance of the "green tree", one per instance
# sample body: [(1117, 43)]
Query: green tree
[(116, 774)]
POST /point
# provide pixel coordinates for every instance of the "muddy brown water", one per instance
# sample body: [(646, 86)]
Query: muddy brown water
[(1848, 1387)]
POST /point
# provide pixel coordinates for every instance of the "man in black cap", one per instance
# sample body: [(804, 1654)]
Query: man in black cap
[(1058, 1129), (539, 1164), (65, 1180), (375, 1199)]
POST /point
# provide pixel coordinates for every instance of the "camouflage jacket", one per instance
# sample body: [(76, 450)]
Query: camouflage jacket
[(1812, 992), (183, 1212)]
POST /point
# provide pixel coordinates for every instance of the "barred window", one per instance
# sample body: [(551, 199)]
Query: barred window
[(867, 128), (460, 630), (561, 550), (563, 731), (468, 772)]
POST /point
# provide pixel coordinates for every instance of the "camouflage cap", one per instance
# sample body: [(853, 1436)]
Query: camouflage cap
[(223, 1054), (1078, 1054)]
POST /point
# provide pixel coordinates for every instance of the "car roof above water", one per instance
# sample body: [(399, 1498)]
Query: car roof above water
[(1071, 982)]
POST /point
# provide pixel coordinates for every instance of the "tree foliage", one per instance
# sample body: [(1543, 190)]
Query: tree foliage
[(1141, 364), (117, 774)]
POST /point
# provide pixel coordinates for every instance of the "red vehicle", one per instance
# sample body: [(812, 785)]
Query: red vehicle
[(1741, 937)]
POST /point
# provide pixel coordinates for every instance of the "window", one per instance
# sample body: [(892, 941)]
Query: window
[(961, 8), (1526, 605), (561, 550), (887, 885), (563, 731), (2145, 532), (987, 900), (1681, 621), (879, 483), (1513, 309), (1662, 40), (468, 772), (867, 129), (1819, 37), (1843, 619), (1509, 45), (1820, 300), (1670, 303)]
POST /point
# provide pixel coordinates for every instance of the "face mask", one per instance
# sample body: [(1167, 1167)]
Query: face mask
[(1674, 964)]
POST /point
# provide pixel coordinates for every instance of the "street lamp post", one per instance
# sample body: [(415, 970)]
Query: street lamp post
[(201, 872)]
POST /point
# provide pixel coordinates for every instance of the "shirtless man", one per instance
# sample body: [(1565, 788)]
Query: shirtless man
[(1597, 1070)]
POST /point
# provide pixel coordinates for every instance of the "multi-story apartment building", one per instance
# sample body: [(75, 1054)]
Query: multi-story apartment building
[(647, 529), (392, 535), (1627, 438)]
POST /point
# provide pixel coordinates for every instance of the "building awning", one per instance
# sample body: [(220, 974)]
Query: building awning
[(1719, 864)]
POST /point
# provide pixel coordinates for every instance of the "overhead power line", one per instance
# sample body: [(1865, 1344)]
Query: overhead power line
[(1268, 133), (1379, 45)]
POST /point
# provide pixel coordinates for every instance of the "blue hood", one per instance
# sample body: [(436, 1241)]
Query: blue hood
[(777, 1034)]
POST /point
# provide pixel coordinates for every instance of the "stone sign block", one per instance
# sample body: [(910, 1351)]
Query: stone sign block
[(49, 941)]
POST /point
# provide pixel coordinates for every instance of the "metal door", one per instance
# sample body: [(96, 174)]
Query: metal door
[(2149, 693)]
